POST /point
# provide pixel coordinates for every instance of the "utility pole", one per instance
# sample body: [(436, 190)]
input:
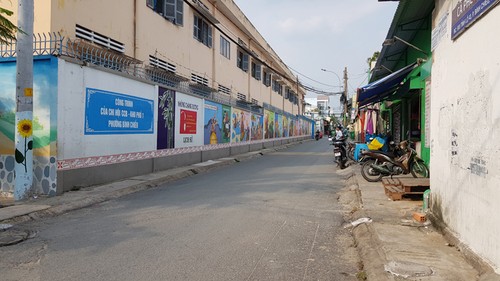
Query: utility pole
[(24, 101), (345, 97), (297, 97)]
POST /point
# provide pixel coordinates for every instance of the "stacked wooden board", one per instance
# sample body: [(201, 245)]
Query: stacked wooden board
[(397, 188)]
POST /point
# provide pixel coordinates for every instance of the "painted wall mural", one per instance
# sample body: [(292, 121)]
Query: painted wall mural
[(43, 128), (278, 125), (268, 124), (257, 127), (226, 124), (213, 123), (166, 119), (285, 125), (189, 121), (240, 125), (291, 127)]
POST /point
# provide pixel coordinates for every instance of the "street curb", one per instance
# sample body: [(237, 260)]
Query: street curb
[(143, 184), (96, 199), (368, 244)]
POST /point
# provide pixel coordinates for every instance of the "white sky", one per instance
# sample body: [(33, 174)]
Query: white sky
[(309, 35)]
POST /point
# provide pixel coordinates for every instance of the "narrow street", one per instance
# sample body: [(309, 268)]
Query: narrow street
[(273, 217)]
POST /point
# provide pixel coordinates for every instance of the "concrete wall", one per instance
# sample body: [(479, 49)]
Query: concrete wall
[(72, 141), (465, 129), (90, 176)]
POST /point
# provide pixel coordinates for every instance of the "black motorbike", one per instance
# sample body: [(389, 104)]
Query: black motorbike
[(340, 152), (402, 160), (317, 136)]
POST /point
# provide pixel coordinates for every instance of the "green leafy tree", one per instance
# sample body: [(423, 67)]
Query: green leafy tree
[(7, 28), (373, 58)]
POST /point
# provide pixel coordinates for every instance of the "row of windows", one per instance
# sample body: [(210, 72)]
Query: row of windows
[(173, 11)]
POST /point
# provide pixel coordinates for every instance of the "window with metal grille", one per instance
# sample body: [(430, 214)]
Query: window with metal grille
[(202, 31), (154, 61), (198, 79), (224, 90), (225, 47), (241, 96), (172, 10), (99, 39), (277, 87), (256, 71), (242, 61), (254, 101), (266, 79)]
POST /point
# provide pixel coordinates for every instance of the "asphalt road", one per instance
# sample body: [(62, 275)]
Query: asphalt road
[(274, 217)]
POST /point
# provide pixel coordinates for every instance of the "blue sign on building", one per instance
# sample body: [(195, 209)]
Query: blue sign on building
[(108, 113), (466, 13)]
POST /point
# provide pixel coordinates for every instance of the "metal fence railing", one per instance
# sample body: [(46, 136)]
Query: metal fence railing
[(57, 45)]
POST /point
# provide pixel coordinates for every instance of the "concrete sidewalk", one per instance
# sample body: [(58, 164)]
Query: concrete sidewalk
[(394, 246)]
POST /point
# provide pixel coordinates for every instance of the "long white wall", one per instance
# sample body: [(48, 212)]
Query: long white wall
[(465, 132), (72, 141)]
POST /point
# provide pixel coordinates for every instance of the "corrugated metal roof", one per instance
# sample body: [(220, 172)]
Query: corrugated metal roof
[(410, 17)]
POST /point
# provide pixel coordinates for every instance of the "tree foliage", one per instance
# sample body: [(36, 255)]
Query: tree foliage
[(7, 28), (373, 58)]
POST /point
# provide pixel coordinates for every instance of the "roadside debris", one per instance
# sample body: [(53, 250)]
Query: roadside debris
[(4, 226), (408, 269), (358, 222)]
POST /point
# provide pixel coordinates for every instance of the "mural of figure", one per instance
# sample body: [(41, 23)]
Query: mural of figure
[(242, 127), (271, 129), (236, 123), (277, 128), (226, 123), (256, 132), (213, 132), (266, 126)]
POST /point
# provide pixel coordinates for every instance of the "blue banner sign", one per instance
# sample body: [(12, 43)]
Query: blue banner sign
[(108, 113), (467, 12)]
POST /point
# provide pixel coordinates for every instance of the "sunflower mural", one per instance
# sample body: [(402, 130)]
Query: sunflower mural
[(28, 140), (25, 129)]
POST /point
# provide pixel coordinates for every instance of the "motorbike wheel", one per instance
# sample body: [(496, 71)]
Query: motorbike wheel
[(368, 173), (419, 170)]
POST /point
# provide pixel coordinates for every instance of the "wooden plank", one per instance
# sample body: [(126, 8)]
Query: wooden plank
[(394, 189), (415, 181), (387, 181), (395, 196)]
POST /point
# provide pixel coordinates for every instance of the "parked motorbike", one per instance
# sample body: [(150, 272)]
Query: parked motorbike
[(351, 147), (377, 164), (316, 136), (340, 152)]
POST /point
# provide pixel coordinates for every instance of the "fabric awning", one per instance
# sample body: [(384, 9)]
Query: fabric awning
[(382, 88)]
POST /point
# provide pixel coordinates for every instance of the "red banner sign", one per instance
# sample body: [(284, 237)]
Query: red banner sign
[(188, 121)]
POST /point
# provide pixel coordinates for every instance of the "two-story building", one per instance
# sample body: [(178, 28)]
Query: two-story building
[(123, 88)]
